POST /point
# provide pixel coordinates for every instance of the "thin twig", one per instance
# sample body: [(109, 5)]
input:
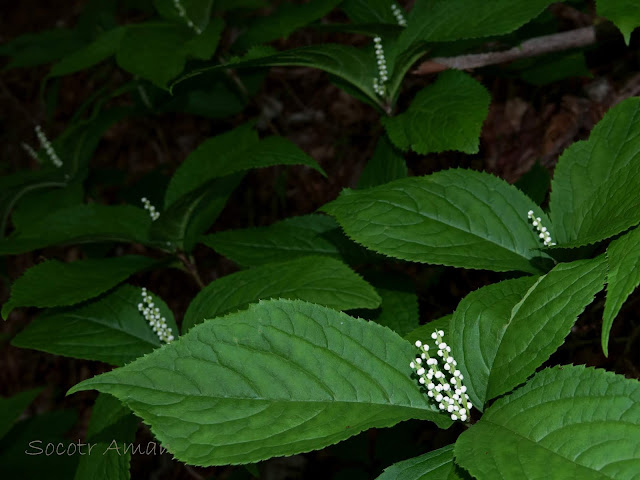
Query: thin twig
[(580, 37)]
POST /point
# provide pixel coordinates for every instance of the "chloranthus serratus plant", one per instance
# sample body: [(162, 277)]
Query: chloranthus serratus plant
[(324, 239)]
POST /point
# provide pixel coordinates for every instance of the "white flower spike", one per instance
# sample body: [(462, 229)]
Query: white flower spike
[(455, 403), (543, 233), (46, 144), (397, 12), (379, 83), (183, 13), (153, 213), (151, 314)]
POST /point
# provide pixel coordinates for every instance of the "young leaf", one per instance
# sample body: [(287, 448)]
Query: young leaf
[(110, 329), (424, 331), (11, 408), (29, 209), (368, 11), (567, 422), (153, 50), (460, 218), (283, 21), (281, 378), (81, 224), (446, 115), (399, 307), (290, 238), (193, 213), (357, 67), (386, 165), (319, 280), (56, 284), (110, 422), (623, 277), (232, 152), (39, 48), (103, 47), (501, 333), (449, 20), (593, 192), (624, 13), (435, 465)]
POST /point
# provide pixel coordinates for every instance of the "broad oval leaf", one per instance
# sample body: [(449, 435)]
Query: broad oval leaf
[(447, 115), (566, 422), (80, 224), (320, 280), (435, 465), (460, 218), (623, 277), (280, 378), (595, 184), (110, 329), (56, 284), (501, 333)]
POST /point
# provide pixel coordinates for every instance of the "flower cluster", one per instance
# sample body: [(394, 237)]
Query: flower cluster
[(30, 151), (183, 13), (445, 387), (46, 144), (544, 235), (397, 12), (151, 314), (379, 83), (153, 213)]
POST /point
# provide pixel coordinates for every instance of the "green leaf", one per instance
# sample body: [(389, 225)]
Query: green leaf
[(39, 48), (290, 238), (196, 11), (355, 66), (281, 378), (435, 465), (423, 332), (56, 284), (593, 192), (22, 451), (192, 214), (623, 277), (232, 152), (285, 19), (449, 20), (320, 280), (29, 208), (154, 51), (369, 11), (567, 422), (535, 183), (501, 333), (80, 224), (460, 218), (103, 47), (110, 329), (447, 115), (110, 422), (399, 307), (204, 45), (386, 165), (11, 408), (624, 13)]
